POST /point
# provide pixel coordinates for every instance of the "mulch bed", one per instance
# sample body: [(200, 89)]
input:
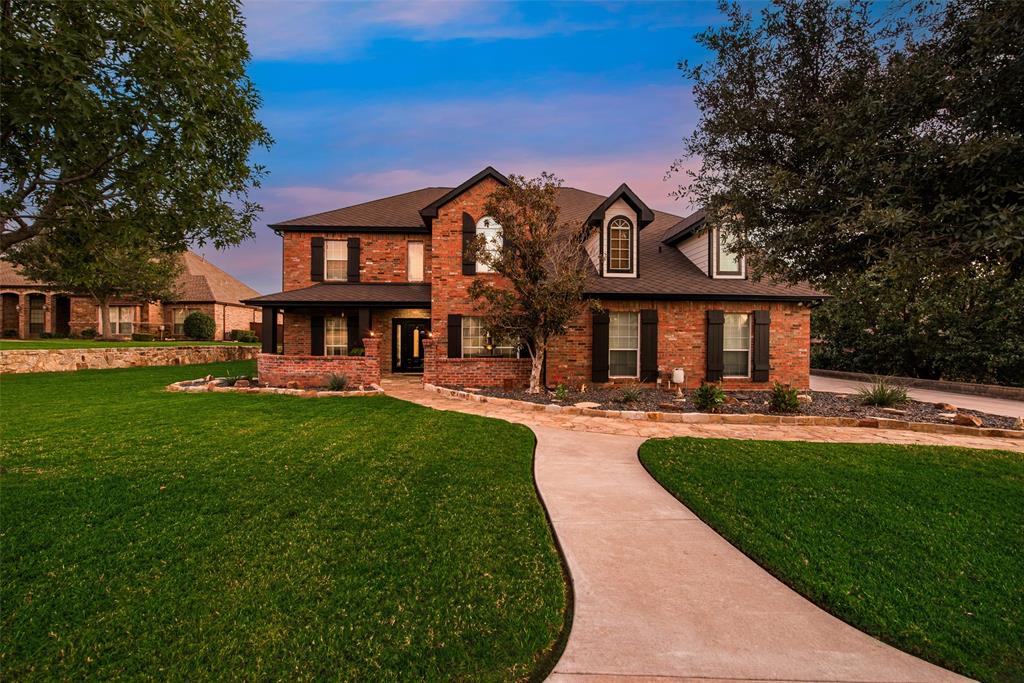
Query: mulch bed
[(822, 404)]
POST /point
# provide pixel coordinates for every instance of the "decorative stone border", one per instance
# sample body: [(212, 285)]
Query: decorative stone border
[(715, 418), (212, 384)]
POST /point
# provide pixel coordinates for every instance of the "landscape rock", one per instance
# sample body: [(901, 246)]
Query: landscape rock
[(947, 416), (1018, 423), (967, 420), (730, 400), (587, 404), (242, 383), (894, 411), (804, 398), (947, 407), (292, 385)]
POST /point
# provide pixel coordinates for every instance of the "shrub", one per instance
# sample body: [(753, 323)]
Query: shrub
[(142, 336), (231, 380), (631, 395), (561, 392), (357, 351), (200, 326), (247, 336), (88, 333), (783, 399), (337, 382), (10, 334), (708, 397), (46, 335), (883, 394)]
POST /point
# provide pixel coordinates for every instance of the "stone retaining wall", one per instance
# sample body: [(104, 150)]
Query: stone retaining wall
[(107, 358)]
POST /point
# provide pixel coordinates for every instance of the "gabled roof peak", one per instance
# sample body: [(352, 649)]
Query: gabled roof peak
[(429, 212), (644, 214)]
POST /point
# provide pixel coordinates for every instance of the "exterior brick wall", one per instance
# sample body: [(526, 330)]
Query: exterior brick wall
[(682, 342), (382, 257), (313, 371), (474, 372)]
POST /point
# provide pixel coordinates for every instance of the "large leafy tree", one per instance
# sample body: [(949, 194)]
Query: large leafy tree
[(109, 261), (542, 268), (139, 113), (833, 138)]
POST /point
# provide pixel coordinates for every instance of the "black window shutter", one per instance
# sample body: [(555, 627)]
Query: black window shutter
[(316, 335), (599, 347), (353, 259), (352, 330), (454, 336), (316, 259), (716, 341), (649, 346), (762, 330), (468, 235)]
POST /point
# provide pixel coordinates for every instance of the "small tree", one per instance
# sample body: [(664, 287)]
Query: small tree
[(107, 263), (542, 264)]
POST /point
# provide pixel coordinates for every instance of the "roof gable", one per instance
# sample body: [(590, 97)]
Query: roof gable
[(645, 216), (429, 212), (684, 228)]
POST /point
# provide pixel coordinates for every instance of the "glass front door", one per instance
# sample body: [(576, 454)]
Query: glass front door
[(407, 344)]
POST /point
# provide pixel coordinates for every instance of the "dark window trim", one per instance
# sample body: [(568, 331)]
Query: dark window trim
[(632, 235), (739, 272)]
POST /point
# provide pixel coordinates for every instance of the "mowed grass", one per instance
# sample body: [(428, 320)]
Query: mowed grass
[(14, 344), (922, 547), (150, 535)]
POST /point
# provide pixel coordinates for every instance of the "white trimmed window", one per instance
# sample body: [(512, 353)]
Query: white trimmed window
[(620, 245), (491, 233), (727, 263), (623, 344), (336, 260), (415, 262), (121, 319), (736, 345), (476, 343), (179, 322), (335, 336)]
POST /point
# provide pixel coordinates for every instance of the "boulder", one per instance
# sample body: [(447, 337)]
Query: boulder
[(804, 398), (967, 420), (1018, 423), (587, 404), (730, 400), (946, 407), (894, 411), (242, 383)]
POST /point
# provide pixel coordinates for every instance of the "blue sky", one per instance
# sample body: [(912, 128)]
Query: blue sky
[(367, 100)]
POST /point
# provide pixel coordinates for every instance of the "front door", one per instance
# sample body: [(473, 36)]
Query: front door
[(62, 316), (407, 344)]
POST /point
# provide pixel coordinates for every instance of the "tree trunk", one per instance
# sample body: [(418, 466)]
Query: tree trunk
[(104, 330), (537, 356)]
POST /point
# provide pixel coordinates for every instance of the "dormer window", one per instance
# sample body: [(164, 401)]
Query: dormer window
[(620, 245), (491, 233), (727, 263)]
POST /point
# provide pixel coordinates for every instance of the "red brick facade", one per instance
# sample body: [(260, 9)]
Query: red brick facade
[(383, 256), (312, 372), (473, 372)]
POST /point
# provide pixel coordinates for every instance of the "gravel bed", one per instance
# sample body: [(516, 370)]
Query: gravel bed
[(822, 404)]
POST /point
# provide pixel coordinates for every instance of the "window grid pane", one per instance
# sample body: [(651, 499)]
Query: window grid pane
[(336, 257), (472, 337), (491, 232), (623, 344), (619, 238), (736, 345), (335, 336)]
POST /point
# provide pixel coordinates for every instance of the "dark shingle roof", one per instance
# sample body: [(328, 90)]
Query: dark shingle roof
[(398, 211), (365, 294)]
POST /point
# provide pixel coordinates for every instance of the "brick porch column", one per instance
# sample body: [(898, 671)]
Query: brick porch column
[(371, 351)]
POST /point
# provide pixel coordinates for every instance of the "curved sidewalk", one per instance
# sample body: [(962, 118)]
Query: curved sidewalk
[(659, 596)]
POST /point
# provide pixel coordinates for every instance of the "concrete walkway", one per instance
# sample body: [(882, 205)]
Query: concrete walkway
[(659, 596), (995, 406)]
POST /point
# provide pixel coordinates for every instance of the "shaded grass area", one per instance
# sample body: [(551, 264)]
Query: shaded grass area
[(208, 536), (919, 546), (13, 344)]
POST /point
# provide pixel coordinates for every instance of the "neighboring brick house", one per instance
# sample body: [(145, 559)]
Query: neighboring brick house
[(389, 278), (30, 309)]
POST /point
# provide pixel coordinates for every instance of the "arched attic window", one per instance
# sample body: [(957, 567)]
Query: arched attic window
[(620, 245)]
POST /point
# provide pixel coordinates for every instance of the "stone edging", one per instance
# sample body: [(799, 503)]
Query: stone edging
[(715, 418), (203, 385), (971, 388)]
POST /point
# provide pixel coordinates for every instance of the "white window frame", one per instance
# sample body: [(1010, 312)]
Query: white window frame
[(408, 260), (629, 245), (636, 374), (335, 328), (750, 345), (496, 351), (716, 247), (178, 329), (491, 232), (117, 320), (343, 260)]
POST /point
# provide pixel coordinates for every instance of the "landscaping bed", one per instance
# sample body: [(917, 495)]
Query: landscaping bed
[(821, 404), (918, 546), (250, 385)]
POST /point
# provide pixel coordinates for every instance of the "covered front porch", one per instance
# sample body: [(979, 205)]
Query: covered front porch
[(362, 331)]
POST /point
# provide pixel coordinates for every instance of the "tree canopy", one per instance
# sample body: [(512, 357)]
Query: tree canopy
[(834, 137), (139, 113)]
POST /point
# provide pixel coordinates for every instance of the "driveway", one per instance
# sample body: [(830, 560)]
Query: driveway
[(996, 406)]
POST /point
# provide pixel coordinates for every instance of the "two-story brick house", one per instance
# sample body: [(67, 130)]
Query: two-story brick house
[(388, 280)]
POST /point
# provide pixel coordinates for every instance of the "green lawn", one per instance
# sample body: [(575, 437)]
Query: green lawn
[(919, 546), (151, 535), (10, 344)]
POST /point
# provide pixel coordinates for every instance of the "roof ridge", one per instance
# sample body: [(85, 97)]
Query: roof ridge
[(369, 201)]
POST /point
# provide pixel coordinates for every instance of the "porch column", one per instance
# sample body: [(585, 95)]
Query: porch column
[(269, 329)]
